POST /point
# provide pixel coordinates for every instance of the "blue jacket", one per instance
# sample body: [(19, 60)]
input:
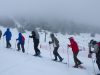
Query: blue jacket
[(8, 35), (20, 39)]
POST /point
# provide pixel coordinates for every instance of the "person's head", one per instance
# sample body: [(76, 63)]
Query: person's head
[(51, 35), (93, 43), (20, 34), (71, 39), (8, 29), (33, 32)]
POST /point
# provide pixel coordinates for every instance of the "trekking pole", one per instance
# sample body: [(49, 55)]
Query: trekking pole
[(3, 40), (68, 56), (50, 51), (28, 45), (93, 66), (15, 44)]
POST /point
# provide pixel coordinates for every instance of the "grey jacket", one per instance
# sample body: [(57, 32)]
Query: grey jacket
[(55, 42)]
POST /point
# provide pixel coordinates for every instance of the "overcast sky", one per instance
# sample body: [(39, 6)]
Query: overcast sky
[(83, 11)]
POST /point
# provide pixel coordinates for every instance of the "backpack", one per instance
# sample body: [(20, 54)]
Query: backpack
[(99, 48), (23, 38), (98, 44)]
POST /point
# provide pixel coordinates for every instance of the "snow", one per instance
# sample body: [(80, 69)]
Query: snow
[(13, 62)]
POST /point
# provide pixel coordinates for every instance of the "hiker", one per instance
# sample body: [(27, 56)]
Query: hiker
[(75, 49), (96, 45), (55, 43), (8, 35), (21, 42), (35, 37)]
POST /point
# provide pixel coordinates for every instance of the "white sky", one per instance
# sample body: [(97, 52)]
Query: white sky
[(85, 11)]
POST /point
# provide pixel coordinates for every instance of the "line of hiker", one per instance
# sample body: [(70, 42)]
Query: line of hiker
[(73, 44)]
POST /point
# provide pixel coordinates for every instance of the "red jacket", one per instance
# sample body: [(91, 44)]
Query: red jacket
[(74, 46)]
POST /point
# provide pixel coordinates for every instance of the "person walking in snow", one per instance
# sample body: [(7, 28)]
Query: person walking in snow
[(21, 42), (55, 43), (96, 46), (75, 50), (0, 34), (8, 35), (35, 37)]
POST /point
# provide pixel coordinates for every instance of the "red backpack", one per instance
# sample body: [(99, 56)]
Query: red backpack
[(23, 38)]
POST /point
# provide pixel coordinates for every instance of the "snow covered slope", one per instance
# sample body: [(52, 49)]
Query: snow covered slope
[(13, 62)]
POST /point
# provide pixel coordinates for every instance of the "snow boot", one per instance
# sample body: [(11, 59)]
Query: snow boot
[(54, 59), (75, 66), (61, 59)]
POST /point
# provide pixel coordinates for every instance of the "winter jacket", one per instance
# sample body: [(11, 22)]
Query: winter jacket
[(55, 42), (8, 35), (97, 50), (21, 39), (35, 36), (74, 46)]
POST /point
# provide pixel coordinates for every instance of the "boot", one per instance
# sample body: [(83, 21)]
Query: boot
[(54, 59), (61, 59), (75, 66)]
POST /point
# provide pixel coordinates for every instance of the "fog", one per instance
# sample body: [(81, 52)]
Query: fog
[(85, 12)]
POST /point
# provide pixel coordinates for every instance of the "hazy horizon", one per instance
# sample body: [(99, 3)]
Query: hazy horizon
[(81, 11)]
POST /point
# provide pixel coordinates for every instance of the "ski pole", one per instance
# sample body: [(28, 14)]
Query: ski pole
[(15, 44), (68, 56), (93, 66), (50, 51), (3, 40)]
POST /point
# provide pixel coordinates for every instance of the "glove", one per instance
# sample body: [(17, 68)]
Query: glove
[(90, 55), (91, 52), (49, 42)]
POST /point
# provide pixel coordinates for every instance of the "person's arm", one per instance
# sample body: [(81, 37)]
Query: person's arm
[(4, 34), (69, 45), (96, 49), (31, 36), (17, 39), (50, 42), (89, 45)]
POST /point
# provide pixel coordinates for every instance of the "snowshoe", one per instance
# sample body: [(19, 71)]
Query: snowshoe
[(75, 66)]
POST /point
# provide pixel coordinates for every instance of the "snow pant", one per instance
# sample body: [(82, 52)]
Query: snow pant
[(56, 54), (22, 46), (36, 43), (8, 45), (98, 61), (0, 36), (76, 60)]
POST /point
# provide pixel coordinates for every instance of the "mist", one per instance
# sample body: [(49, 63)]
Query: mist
[(66, 12)]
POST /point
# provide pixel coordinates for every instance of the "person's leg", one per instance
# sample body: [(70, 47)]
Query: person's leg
[(9, 45), (18, 46), (0, 36), (98, 62), (75, 59), (37, 51), (78, 61), (23, 50), (57, 54)]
